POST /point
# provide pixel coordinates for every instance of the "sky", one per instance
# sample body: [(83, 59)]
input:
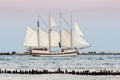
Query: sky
[(98, 19)]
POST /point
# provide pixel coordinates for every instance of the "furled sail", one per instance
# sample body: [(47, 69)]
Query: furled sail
[(66, 38), (43, 38), (31, 38), (79, 41), (54, 38), (77, 30)]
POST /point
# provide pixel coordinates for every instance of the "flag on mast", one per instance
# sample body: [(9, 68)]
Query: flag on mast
[(38, 23)]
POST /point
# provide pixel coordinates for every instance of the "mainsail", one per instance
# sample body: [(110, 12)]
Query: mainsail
[(43, 38), (66, 38), (31, 38), (54, 38), (54, 35)]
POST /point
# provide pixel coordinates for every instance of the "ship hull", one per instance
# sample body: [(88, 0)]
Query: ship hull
[(68, 53)]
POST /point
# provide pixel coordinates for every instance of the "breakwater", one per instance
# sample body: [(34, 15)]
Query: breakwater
[(80, 64), (59, 71)]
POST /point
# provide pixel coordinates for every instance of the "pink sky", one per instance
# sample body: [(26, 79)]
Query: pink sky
[(98, 19), (59, 5)]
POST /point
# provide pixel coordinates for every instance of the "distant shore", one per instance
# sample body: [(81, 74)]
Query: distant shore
[(99, 53), (14, 53), (82, 53)]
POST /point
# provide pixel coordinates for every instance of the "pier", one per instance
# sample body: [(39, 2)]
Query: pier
[(59, 71)]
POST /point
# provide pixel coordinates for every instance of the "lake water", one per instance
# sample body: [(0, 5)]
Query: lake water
[(78, 63), (55, 77)]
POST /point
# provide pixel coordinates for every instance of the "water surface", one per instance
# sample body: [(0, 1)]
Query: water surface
[(79, 62)]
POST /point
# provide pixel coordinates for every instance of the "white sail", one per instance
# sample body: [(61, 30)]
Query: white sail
[(54, 38), (52, 22), (66, 38), (31, 38), (43, 38), (77, 30), (79, 42)]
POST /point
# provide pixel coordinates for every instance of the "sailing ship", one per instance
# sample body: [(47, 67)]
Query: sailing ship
[(68, 42)]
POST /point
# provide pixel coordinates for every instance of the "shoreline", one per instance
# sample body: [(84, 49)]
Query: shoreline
[(24, 53)]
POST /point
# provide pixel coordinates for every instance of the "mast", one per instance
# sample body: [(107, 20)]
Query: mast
[(60, 33), (49, 32), (38, 31), (71, 32)]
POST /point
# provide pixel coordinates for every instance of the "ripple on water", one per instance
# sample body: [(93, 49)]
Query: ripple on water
[(77, 62)]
